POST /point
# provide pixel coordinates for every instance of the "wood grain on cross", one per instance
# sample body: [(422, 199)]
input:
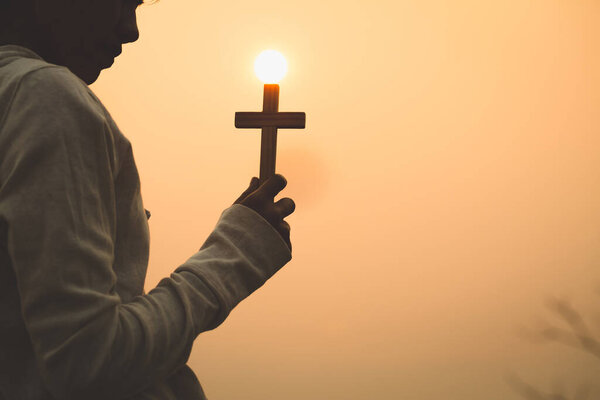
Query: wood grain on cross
[(269, 120)]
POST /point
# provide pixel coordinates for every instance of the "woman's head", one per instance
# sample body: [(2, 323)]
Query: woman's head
[(83, 35)]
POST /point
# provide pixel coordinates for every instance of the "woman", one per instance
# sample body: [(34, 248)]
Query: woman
[(75, 322)]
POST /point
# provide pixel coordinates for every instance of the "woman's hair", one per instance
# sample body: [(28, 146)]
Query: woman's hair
[(14, 14), (12, 8)]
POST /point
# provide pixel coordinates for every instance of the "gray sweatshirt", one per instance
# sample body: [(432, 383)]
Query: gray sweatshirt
[(75, 322)]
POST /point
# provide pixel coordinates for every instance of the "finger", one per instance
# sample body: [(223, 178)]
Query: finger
[(250, 189), (286, 227), (285, 207), (273, 185), (254, 183)]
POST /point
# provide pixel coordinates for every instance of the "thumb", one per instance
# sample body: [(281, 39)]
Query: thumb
[(254, 184)]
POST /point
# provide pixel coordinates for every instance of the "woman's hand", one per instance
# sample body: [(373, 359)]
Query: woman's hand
[(260, 198)]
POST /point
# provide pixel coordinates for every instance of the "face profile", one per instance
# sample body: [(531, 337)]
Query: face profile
[(85, 36)]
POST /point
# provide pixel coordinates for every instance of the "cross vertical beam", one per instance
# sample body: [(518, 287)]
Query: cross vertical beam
[(268, 147)]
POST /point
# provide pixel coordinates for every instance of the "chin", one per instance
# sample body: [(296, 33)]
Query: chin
[(88, 75)]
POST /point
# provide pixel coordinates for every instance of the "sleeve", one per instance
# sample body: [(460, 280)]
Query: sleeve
[(57, 200)]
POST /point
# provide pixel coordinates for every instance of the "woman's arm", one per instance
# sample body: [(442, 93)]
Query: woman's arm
[(57, 166)]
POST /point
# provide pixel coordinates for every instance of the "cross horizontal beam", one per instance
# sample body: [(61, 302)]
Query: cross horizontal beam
[(289, 120)]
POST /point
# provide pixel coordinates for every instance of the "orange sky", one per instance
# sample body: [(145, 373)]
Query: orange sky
[(446, 185)]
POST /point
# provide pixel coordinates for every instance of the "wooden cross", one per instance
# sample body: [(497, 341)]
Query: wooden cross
[(269, 120)]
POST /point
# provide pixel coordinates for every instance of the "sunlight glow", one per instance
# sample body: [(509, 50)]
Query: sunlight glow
[(270, 66)]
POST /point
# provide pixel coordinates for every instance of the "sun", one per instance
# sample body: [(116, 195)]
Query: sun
[(270, 66)]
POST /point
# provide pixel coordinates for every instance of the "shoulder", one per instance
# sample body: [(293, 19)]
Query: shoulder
[(52, 114), (52, 90), (29, 83), (55, 97), (46, 106), (36, 94), (50, 106)]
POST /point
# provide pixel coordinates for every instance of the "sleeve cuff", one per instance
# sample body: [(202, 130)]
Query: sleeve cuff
[(239, 256), (255, 222)]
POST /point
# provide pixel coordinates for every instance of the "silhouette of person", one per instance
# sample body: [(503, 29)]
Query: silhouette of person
[(75, 322)]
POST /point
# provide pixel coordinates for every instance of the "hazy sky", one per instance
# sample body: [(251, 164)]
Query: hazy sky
[(447, 184)]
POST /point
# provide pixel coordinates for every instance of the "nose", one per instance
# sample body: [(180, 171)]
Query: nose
[(128, 29)]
